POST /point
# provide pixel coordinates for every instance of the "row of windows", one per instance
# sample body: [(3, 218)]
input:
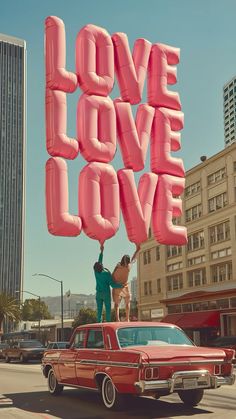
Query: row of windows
[(215, 177), (195, 278), (217, 233), (148, 287), (202, 305), (214, 204), (147, 255)]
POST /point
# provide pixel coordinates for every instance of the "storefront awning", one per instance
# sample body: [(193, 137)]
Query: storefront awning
[(197, 320)]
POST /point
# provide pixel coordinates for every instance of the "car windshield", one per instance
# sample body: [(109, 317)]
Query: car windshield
[(152, 335), (31, 344)]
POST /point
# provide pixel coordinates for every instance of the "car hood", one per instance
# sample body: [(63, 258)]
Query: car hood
[(178, 352), (33, 349)]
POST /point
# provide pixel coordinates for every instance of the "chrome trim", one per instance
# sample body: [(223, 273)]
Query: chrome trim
[(172, 383), (107, 363), (228, 380), (77, 386), (164, 363)]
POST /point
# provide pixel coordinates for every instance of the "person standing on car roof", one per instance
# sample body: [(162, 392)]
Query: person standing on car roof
[(103, 283)]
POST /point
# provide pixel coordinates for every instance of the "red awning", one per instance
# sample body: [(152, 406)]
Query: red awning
[(197, 320)]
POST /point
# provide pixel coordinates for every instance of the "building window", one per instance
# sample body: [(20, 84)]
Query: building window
[(193, 213), (224, 303), (233, 302), (192, 189), (147, 287), (175, 282), (158, 285), (216, 176), (196, 260), (176, 308), (157, 253), (221, 272), (196, 241), (219, 232), (200, 306), (174, 266), (174, 251), (176, 221), (217, 202), (146, 257), (197, 277), (221, 253), (187, 308), (234, 166)]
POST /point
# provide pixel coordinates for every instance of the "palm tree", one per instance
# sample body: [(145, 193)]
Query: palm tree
[(9, 308)]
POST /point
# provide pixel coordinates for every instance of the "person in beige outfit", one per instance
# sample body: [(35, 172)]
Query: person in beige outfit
[(120, 275)]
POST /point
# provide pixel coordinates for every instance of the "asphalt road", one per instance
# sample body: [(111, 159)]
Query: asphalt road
[(24, 395)]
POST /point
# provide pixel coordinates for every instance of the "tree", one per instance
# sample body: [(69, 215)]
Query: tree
[(85, 316), (31, 310), (9, 308)]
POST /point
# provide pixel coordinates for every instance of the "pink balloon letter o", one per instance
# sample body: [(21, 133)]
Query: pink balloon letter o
[(96, 128), (95, 60), (99, 203)]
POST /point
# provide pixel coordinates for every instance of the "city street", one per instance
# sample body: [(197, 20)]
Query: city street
[(24, 385)]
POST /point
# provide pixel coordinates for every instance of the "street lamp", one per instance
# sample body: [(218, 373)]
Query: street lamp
[(38, 296), (62, 317)]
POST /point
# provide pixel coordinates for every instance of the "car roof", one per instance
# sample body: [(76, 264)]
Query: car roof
[(119, 325)]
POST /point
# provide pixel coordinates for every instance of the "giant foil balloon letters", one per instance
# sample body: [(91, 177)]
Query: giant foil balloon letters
[(102, 192)]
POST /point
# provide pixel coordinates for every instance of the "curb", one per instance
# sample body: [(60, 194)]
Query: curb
[(5, 401)]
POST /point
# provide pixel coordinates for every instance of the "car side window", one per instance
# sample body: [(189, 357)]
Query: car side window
[(79, 339), (95, 339)]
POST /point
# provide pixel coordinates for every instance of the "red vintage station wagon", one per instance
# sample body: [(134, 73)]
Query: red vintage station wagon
[(138, 358)]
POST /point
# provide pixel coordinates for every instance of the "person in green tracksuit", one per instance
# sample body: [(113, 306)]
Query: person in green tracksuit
[(103, 282)]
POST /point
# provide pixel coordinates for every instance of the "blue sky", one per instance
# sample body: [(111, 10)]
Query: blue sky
[(204, 30)]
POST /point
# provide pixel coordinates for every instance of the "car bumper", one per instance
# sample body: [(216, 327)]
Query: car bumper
[(185, 380)]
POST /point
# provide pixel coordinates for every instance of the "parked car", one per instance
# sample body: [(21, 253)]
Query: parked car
[(57, 345), (2, 346), (224, 342), (137, 358), (24, 351)]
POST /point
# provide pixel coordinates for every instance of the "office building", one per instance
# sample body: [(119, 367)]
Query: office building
[(133, 289), (229, 98), (194, 286), (12, 162)]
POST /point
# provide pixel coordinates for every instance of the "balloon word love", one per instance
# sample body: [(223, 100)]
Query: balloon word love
[(102, 191)]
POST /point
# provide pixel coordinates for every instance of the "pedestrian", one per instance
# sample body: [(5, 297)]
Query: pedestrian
[(103, 282), (120, 275)]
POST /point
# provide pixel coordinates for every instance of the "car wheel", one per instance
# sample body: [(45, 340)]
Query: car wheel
[(53, 386), (110, 397), (7, 359), (191, 397)]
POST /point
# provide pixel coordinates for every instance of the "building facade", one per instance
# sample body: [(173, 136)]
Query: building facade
[(12, 162), (229, 99), (133, 289), (194, 286)]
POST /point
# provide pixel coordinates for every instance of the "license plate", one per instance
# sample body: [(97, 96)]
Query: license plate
[(189, 383)]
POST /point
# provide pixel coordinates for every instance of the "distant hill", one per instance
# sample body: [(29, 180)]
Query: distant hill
[(71, 304)]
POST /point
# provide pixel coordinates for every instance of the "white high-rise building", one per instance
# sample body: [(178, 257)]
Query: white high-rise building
[(229, 97)]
